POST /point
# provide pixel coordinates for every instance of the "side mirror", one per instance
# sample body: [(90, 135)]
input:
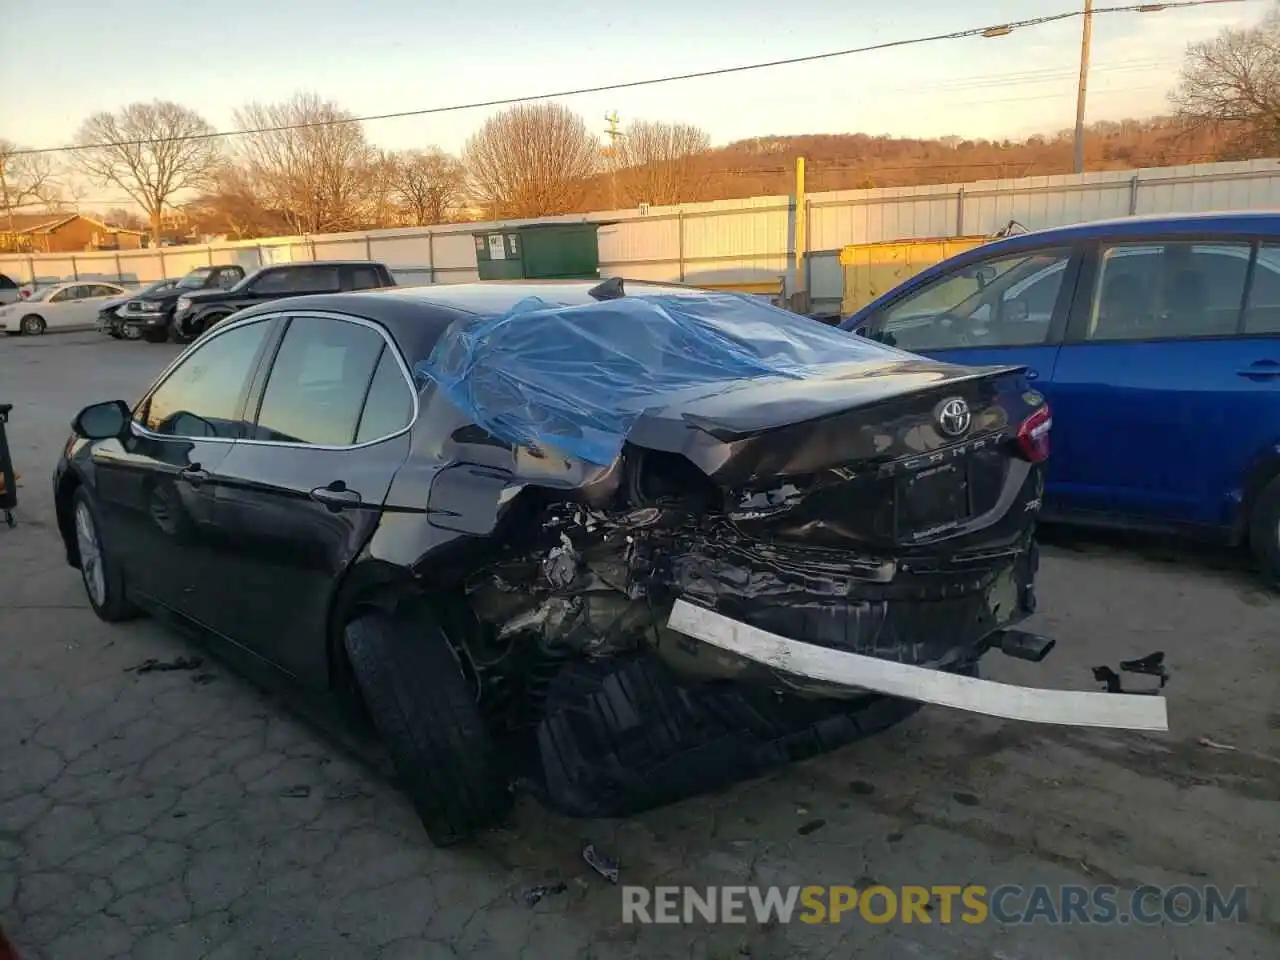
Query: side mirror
[(1015, 311), (102, 421)]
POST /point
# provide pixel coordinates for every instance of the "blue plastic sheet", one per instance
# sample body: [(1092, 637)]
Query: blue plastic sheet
[(576, 378)]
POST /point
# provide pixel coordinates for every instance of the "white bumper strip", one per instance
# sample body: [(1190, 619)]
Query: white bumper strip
[(1068, 707)]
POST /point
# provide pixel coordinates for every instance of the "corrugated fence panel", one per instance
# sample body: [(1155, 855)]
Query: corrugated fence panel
[(748, 240), (646, 249), (347, 249), (182, 260)]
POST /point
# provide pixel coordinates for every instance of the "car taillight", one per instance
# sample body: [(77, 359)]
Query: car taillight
[(1033, 435)]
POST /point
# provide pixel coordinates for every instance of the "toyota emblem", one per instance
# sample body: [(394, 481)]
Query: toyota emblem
[(953, 417)]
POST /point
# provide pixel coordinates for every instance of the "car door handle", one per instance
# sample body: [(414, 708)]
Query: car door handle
[(336, 496), (1261, 370), (193, 475)]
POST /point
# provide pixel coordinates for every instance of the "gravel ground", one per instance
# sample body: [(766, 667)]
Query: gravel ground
[(151, 816)]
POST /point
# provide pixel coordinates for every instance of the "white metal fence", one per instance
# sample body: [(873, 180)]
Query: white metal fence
[(729, 241)]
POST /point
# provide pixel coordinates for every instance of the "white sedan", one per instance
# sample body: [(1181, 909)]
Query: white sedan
[(64, 306)]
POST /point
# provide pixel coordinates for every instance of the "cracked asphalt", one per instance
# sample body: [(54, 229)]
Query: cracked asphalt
[(184, 814)]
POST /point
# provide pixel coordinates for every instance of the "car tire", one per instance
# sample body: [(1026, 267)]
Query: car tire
[(1264, 530), (426, 714), (207, 323), (101, 575), (115, 334), (32, 325), (130, 332)]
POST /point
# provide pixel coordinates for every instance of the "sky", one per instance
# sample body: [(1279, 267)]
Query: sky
[(382, 56)]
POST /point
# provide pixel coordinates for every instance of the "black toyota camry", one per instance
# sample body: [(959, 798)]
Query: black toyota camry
[(615, 544)]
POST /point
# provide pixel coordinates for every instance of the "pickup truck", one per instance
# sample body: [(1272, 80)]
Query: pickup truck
[(150, 314), (197, 311)]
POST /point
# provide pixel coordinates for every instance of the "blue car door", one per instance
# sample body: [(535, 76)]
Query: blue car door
[(1169, 386), (1007, 309)]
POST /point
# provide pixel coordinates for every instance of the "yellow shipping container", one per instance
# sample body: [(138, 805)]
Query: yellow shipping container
[(871, 269)]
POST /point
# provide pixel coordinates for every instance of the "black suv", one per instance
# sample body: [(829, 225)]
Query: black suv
[(150, 313), (196, 312), (617, 546)]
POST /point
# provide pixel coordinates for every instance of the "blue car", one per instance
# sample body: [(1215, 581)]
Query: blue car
[(1157, 343)]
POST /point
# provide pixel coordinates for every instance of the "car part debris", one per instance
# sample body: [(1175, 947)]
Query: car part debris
[(535, 895), (166, 666), (1066, 707), (600, 862), (1023, 645), (1151, 665)]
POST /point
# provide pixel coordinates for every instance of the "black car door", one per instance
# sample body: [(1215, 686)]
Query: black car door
[(156, 489), (298, 500)]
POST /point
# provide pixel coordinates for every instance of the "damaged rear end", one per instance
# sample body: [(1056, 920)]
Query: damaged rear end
[(690, 574)]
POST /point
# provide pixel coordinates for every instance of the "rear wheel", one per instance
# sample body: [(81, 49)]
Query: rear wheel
[(32, 325), (1264, 530), (426, 713)]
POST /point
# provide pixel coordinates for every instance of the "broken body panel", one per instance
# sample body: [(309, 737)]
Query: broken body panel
[(832, 509)]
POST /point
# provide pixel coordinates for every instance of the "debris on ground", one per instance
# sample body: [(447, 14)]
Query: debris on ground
[(203, 679), (1151, 665), (1214, 745), (163, 666), (297, 792), (600, 862), (807, 828), (534, 895)]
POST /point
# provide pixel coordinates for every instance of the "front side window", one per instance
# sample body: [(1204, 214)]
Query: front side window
[(203, 396), (1263, 313), (317, 385), (1004, 302), (195, 279), (1168, 290)]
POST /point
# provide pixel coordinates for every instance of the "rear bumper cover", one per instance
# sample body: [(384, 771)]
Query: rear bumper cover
[(842, 668)]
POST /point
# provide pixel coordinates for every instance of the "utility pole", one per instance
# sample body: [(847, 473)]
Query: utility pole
[(612, 152), (1084, 84)]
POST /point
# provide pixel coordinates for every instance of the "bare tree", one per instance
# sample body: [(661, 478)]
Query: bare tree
[(430, 185), (532, 160), (152, 151), (26, 180), (661, 163), (312, 163), (1232, 83), (120, 217)]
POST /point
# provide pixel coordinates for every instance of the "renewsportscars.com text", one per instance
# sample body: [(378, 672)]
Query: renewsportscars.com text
[(938, 903)]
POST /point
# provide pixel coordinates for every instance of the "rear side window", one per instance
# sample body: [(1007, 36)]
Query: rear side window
[(389, 406), (6, 283), (365, 278), (317, 385), (1168, 290), (1263, 313), (314, 280)]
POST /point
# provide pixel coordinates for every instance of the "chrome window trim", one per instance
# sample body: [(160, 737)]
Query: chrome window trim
[(226, 327)]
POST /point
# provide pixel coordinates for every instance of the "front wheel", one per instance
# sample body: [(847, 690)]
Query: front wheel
[(1264, 530), (103, 580), (32, 325), (426, 713)]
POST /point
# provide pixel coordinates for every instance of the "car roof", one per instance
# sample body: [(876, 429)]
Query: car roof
[(318, 263), (417, 316), (1233, 223)]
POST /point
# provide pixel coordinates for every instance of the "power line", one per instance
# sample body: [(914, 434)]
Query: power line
[(995, 30)]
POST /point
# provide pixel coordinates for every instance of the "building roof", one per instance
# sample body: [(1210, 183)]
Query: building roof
[(49, 222)]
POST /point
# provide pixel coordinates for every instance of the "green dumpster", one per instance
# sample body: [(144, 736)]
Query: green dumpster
[(541, 251)]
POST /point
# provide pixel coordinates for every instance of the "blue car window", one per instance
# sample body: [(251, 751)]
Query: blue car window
[(1003, 302), (1263, 314), (1168, 290)]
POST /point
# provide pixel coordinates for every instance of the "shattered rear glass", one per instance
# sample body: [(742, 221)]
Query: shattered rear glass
[(576, 378)]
